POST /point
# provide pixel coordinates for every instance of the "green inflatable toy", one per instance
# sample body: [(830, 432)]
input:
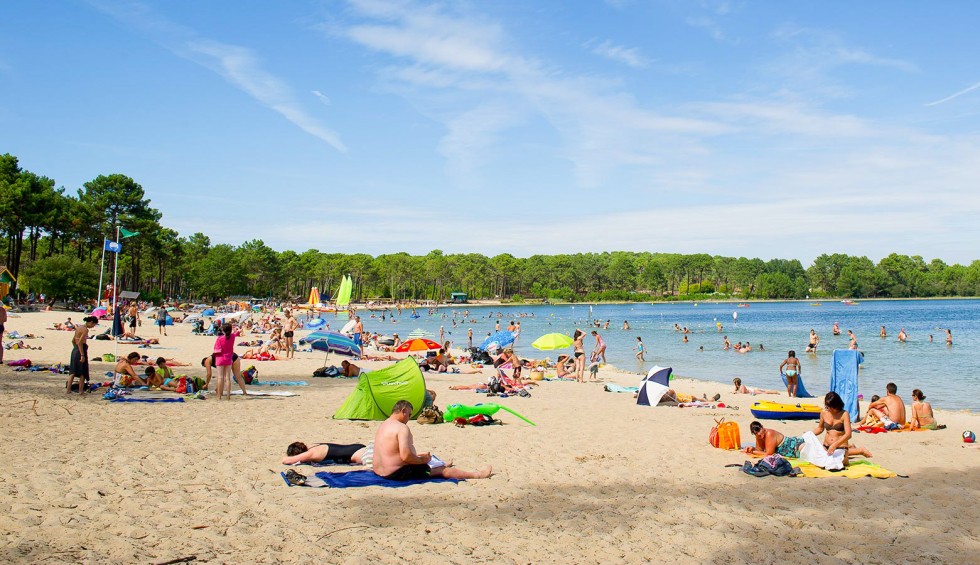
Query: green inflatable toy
[(454, 411)]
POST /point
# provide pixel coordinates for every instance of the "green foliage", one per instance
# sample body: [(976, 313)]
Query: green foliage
[(63, 278)]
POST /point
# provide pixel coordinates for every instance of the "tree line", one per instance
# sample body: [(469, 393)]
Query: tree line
[(55, 243)]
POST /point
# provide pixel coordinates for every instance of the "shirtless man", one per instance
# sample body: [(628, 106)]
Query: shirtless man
[(289, 328), (922, 416), (769, 441), (395, 457), (814, 341), (890, 410), (358, 330), (132, 315), (836, 330), (902, 336)]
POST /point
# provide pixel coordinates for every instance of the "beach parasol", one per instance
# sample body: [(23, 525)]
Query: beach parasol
[(548, 342), (332, 342), (99, 312), (503, 338), (418, 344)]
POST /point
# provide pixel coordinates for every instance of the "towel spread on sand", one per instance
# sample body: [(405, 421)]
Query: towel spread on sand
[(844, 379), (279, 383), (266, 393), (856, 470), (613, 387), (363, 478)]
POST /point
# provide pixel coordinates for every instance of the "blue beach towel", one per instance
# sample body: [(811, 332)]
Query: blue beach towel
[(801, 391), (279, 383), (844, 379), (364, 478)]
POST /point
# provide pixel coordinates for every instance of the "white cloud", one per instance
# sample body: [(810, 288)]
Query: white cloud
[(629, 56), (238, 65), (322, 97)]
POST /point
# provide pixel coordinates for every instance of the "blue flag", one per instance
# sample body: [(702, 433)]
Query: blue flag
[(113, 246)]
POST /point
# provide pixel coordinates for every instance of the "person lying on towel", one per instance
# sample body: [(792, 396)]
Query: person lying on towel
[(395, 457), (336, 453)]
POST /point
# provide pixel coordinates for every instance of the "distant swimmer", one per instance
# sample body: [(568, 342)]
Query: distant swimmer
[(883, 333), (626, 325), (949, 337), (814, 341), (728, 344), (836, 329), (902, 336), (854, 340)]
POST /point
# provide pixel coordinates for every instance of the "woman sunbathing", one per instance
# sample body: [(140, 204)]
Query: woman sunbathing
[(354, 453), (742, 389), (922, 417)]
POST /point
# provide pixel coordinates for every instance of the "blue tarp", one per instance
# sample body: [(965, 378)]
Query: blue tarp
[(844, 379)]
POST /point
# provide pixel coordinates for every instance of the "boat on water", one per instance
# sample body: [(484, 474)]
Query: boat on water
[(744, 305), (848, 302), (816, 304)]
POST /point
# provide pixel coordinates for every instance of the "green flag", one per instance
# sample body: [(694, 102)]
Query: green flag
[(126, 233)]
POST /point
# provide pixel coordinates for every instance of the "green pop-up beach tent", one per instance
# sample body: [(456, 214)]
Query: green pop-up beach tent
[(377, 391)]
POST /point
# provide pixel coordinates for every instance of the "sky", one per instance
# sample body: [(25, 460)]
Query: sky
[(737, 128)]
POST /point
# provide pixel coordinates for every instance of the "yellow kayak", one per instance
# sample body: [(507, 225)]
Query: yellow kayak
[(768, 410)]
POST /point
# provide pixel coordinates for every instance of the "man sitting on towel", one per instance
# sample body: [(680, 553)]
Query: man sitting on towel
[(769, 441), (395, 457), (890, 410)]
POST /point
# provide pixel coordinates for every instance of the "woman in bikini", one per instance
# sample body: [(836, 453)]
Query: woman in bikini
[(837, 423), (922, 416), (578, 339), (790, 368)]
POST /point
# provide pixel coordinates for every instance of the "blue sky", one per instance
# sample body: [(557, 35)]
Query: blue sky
[(758, 129)]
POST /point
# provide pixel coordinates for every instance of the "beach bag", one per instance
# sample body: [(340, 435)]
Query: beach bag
[(430, 415), (248, 375), (494, 385), (775, 465), (725, 435)]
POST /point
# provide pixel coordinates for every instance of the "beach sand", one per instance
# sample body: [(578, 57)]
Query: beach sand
[(599, 480)]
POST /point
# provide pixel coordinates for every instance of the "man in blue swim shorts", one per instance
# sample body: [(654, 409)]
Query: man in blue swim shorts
[(395, 457), (769, 441)]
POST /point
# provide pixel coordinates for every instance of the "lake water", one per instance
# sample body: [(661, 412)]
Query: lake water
[(949, 376)]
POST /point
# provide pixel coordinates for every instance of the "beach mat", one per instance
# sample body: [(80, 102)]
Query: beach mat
[(363, 478), (613, 387), (279, 383), (266, 393)]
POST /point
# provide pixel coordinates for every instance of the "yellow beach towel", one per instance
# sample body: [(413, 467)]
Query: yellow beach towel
[(856, 470)]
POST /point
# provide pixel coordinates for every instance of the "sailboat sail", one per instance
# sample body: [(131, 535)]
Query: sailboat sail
[(343, 294)]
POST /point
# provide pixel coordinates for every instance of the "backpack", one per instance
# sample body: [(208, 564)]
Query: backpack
[(775, 465), (430, 415), (725, 435)]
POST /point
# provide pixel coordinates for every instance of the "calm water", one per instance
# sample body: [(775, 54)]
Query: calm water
[(949, 376)]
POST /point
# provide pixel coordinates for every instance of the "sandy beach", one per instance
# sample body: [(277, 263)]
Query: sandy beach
[(599, 480)]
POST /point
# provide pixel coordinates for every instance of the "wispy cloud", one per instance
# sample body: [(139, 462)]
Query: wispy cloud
[(239, 65), (630, 56), (955, 95), (709, 25), (322, 97)]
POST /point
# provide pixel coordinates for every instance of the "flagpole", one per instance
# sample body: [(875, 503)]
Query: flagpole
[(115, 296), (98, 292)]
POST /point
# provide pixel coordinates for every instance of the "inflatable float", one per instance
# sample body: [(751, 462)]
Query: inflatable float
[(316, 323), (454, 411), (767, 410)]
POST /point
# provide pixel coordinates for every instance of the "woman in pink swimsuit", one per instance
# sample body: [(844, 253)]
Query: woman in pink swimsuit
[(224, 353)]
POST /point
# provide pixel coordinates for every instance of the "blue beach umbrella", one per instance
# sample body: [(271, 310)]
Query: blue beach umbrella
[(503, 338), (333, 342)]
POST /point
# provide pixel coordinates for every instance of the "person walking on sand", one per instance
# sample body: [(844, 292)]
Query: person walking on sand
[(224, 349), (469, 338), (162, 319), (395, 457), (290, 325), (640, 350), (78, 364)]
